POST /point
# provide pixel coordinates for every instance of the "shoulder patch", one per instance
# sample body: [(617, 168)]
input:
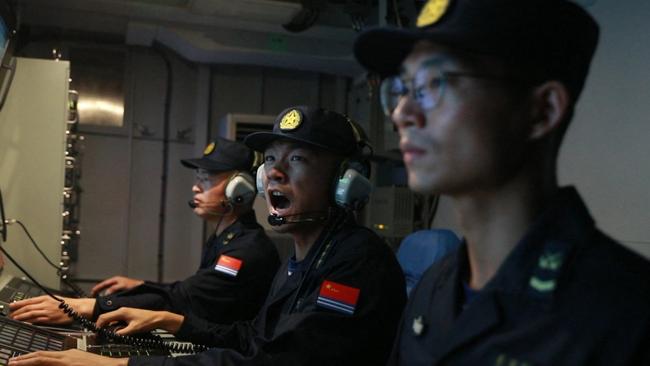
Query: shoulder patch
[(338, 297), (228, 265)]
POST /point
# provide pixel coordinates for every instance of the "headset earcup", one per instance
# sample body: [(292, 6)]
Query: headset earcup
[(352, 189), (240, 189), (259, 180)]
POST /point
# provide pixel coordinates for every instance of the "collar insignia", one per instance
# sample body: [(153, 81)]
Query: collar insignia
[(418, 325)]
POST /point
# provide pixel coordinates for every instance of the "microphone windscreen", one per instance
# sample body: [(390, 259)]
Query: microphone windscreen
[(275, 220), (192, 204)]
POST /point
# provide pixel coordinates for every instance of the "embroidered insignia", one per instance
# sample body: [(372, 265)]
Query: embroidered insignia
[(209, 149), (338, 297), (542, 285), (229, 237), (432, 11), (291, 120), (505, 360), (418, 325), (551, 261), (543, 280), (228, 265)]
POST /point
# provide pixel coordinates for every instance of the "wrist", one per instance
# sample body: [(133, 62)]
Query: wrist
[(171, 322), (85, 307), (121, 361)]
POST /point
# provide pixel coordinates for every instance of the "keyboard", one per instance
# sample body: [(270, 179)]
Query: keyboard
[(17, 338), (18, 289)]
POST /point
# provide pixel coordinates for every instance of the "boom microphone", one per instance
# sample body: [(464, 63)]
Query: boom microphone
[(275, 220), (224, 203)]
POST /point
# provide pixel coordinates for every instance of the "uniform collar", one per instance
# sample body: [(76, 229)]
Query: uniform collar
[(536, 263), (245, 221), (556, 233)]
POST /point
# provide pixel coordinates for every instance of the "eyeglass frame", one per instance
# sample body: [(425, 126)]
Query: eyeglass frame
[(441, 80), (204, 179)]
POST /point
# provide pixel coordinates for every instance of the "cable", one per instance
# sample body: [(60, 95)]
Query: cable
[(323, 247), (36, 246), (76, 289), (156, 342)]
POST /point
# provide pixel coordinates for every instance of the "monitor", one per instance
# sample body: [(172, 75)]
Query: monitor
[(7, 33)]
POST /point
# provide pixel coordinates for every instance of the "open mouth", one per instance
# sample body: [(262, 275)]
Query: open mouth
[(279, 200)]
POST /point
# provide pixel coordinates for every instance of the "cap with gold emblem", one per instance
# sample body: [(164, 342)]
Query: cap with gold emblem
[(556, 37), (223, 155), (313, 126)]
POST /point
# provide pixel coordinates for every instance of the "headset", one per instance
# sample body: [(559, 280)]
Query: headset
[(240, 189), (351, 185)]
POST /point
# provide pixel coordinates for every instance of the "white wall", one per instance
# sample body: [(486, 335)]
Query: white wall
[(606, 150)]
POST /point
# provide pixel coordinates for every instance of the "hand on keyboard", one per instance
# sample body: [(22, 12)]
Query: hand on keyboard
[(140, 320)]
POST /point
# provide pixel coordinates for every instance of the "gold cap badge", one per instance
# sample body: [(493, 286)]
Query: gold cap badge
[(432, 11), (291, 120), (209, 149)]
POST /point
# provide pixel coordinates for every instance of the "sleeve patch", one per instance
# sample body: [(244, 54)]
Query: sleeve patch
[(338, 297), (228, 265)]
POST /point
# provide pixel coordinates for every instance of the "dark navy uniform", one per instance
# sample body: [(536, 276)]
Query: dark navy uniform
[(312, 317), (213, 292), (566, 295)]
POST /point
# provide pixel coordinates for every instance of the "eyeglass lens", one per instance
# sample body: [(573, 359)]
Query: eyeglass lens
[(425, 89)]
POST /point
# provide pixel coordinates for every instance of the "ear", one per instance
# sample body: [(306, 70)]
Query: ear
[(551, 101)]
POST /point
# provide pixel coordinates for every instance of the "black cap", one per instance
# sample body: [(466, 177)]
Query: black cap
[(314, 126), (223, 155), (557, 37)]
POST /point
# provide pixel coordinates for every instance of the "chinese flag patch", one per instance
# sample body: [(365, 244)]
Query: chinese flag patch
[(228, 265), (338, 297)]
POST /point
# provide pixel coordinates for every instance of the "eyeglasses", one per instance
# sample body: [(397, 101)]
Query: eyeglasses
[(204, 179), (426, 87)]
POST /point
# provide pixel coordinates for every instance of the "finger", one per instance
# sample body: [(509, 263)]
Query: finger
[(129, 329), (29, 358), (21, 303), (30, 316), (100, 286), (110, 317), (21, 311), (114, 288), (33, 307), (107, 319)]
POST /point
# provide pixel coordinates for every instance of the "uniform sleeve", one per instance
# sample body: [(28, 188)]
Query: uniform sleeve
[(200, 331), (211, 294), (314, 334)]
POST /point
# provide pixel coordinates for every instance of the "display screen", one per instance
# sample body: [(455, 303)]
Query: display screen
[(4, 38)]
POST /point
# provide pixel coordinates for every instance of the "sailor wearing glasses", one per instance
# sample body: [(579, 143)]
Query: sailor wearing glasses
[(482, 92)]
